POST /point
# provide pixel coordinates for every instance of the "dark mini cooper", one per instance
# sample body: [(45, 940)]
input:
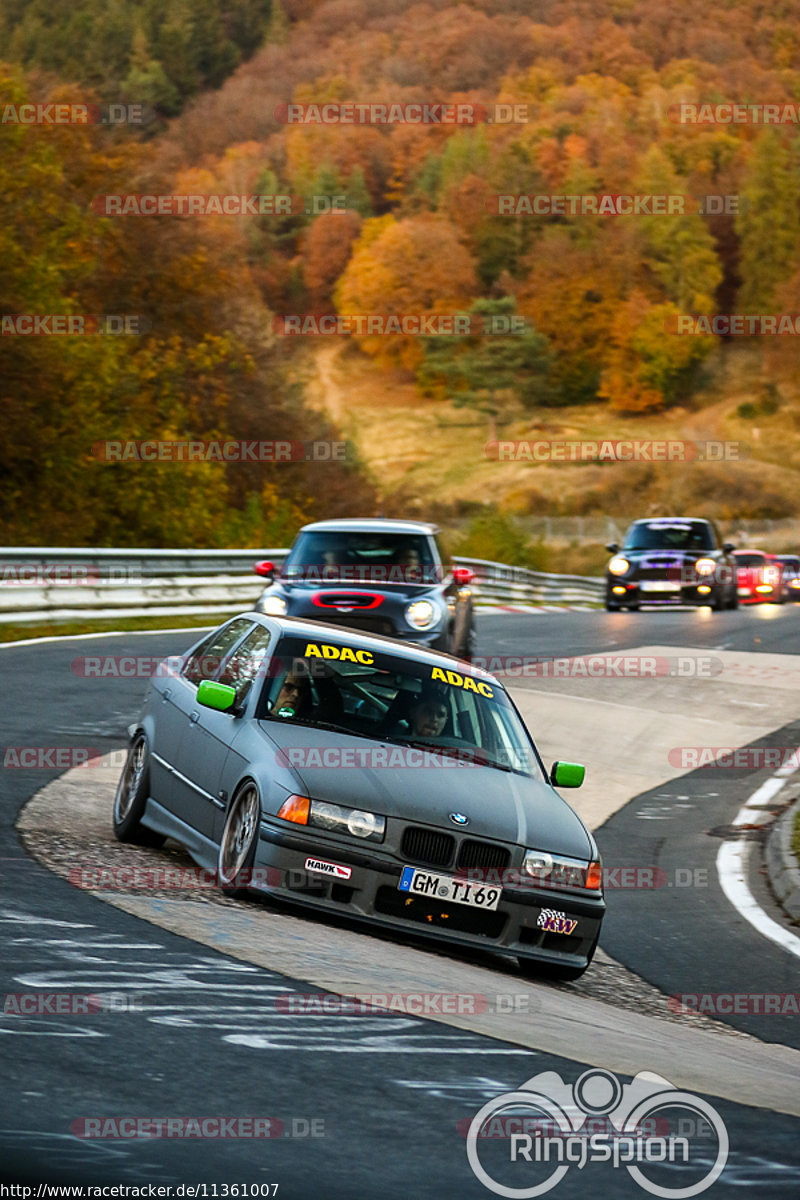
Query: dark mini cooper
[(382, 576), (365, 778), (671, 560)]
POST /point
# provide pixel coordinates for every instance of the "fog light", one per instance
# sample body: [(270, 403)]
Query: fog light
[(704, 589), (764, 587), (618, 591)]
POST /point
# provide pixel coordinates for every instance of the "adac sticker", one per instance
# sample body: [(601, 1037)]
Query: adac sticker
[(463, 681), (554, 921), (343, 653), (328, 868)]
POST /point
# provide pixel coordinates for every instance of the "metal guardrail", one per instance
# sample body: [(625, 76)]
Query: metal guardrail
[(68, 584)]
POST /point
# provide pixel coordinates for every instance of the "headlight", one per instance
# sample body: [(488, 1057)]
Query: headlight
[(367, 826), (560, 873), (273, 606), (422, 614), (705, 566), (618, 566)]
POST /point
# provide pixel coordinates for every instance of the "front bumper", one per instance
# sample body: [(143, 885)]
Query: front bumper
[(678, 594), (371, 893)]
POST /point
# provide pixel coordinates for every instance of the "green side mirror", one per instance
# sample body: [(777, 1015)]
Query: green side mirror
[(564, 774), (216, 695)]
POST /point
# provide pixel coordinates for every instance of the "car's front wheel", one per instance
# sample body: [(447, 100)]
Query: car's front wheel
[(237, 849), (133, 790)]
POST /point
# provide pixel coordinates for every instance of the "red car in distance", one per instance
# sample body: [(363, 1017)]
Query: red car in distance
[(758, 577)]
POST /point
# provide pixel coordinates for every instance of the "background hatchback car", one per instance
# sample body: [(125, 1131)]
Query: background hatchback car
[(671, 560), (790, 575), (758, 577), (370, 779), (382, 576)]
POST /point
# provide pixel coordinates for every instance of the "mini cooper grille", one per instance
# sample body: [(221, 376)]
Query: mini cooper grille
[(483, 855), (427, 846), (348, 599)]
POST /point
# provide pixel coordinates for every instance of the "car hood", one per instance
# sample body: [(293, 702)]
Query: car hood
[(501, 805)]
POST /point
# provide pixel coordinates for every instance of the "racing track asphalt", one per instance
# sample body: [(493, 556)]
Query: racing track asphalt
[(402, 1110)]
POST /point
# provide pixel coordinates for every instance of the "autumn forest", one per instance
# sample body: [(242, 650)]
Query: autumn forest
[(569, 98)]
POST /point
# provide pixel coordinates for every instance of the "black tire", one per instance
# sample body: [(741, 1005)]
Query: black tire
[(632, 607), (237, 847), (133, 790), (734, 600)]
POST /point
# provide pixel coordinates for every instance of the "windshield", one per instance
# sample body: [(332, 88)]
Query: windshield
[(363, 557), (751, 560), (670, 535), (372, 694)]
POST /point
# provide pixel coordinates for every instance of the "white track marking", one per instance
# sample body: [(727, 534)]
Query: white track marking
[(732, 862)]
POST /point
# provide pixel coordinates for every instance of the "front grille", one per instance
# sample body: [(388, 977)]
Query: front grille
[(427, 846), (483, 855), (348, 599), (457, 917)]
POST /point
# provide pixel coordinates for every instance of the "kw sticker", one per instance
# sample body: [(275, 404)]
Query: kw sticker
[(464, 681), (328, 868), (343, 653), (553, 921)]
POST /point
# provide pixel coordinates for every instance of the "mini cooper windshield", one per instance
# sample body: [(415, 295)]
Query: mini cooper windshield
[(369, 557), (377, 695), (669, 535)]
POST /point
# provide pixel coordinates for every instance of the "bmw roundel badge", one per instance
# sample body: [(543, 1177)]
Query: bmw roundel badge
[(458, 819)]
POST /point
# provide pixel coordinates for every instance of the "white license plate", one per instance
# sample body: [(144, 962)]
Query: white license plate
[(743, 591), (659, 585), (446, 888)]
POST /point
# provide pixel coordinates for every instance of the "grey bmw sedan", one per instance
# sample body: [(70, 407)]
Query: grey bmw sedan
[(368, 778)]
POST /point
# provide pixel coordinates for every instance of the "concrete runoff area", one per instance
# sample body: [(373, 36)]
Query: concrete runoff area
[(623, 730)]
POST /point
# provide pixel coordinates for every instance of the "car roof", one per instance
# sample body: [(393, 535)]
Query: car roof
[(370, 525), (319, 630), (671, 520), (751, 550)]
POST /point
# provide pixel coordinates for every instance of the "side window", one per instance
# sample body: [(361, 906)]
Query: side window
[(244, 665), (205, 661)]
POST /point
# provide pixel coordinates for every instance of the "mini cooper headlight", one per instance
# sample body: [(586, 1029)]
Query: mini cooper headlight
[(367, 826), (618, 566), (274, 606), (422, 614), (705, 566)]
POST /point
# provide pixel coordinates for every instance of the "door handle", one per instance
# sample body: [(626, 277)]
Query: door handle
[(194, 717)]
